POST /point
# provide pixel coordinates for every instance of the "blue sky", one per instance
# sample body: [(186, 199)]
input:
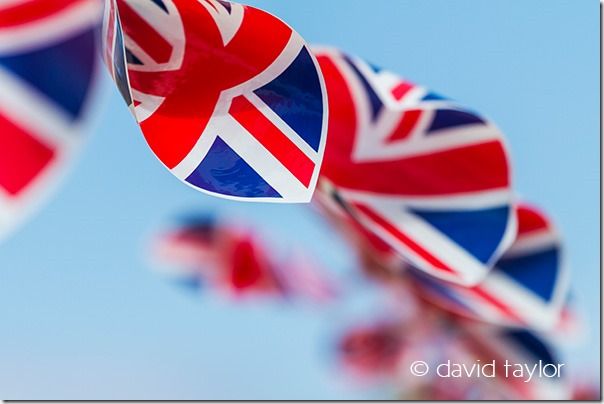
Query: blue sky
[(83, 315)]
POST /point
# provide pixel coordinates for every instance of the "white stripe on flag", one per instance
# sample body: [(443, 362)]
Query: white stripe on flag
[(466, 269), (532, 309), (533, 243), (262, 161), (21, 103), (492, 198), (283, 127)]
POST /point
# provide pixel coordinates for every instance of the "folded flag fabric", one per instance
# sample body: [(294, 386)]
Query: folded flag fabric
[(48, 71), (528, 287), (229, 98), (425, 174)]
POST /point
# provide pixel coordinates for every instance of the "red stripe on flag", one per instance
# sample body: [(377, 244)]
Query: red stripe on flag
[(401, 89), (275, 141), (22, 157), (459, 170), (403, 238), (141, 32), (31, 11), (480, 292), (406, 125)]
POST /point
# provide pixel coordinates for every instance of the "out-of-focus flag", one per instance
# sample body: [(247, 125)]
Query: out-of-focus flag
[(204, 251), (48, 68), (528, 286), (437, 356), (477, 361), (378, 259), (384, 348), (235, 261), (303, 276), (571, 329), (586, 391), (428, 176), (523, 352), (371, 351), (228, 97)]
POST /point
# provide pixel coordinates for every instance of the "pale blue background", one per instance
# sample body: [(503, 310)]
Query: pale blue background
[(83, 316)]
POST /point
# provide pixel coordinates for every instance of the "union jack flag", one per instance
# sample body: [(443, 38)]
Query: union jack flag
[(228, 97), (203, 251), (47, 74), (429, 177), (527, 287), (234, 260)]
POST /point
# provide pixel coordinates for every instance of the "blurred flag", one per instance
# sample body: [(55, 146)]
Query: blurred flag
[(371, 351), (379, 261), (228, 97), (303, 276), (571, 329), (203, 251), (438, 345), (528, 286), (429, 177), (48, 67), (586, 390), (235, 261), (384, 348), (522, 351)]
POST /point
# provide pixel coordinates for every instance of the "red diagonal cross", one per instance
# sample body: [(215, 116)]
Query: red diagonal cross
[(22, 156), (464, 169), (208, 68)]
